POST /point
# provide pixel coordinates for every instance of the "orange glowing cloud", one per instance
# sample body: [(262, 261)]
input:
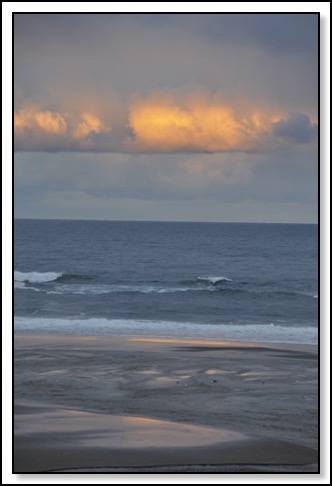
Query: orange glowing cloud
[(89, 124), (197, 124), (160, 122), (37, 127), (31, 117)]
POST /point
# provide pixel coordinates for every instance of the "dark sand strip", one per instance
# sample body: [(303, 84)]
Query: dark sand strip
[(30, 458)]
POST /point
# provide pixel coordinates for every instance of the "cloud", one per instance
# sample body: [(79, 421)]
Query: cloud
[(275, 33), (31, 118), (220, 176), (161, 122), (217, 182), (196, 123), (267, 58), (89, 124), (162, 83), (39, 129), (296, 127), (144, 115)]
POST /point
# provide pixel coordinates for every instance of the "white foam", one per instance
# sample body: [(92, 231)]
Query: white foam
[(312, 295), (36, 277), (214, 280), (86, 289), (19, 285), (132, 327)]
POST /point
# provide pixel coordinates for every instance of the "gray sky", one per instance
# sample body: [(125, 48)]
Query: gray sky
[(206, 117)]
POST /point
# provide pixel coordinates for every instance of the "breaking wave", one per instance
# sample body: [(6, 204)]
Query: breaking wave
[(268, 332), (41, 277), (71, 283), (36, 277), (213, 280)]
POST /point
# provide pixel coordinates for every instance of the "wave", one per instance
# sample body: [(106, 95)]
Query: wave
[(36, 277), (110, 289), (68, 277), (200, 284), (314, 295), (69, 284), (283, 293), (270, 332), (19, 285), (213, 280), (76, 289), (41, 277)]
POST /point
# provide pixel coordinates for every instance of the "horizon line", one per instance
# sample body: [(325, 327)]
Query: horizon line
[(161, 221)]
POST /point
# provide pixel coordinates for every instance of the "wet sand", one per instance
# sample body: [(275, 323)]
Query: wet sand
[(92, 404)]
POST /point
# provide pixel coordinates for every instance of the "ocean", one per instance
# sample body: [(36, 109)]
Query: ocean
[(233, 281)]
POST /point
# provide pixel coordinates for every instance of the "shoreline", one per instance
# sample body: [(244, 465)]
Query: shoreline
[(34, 337), (89, 402), (167, 329)]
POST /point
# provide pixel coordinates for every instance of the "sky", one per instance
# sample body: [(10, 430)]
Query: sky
[(176, 117)]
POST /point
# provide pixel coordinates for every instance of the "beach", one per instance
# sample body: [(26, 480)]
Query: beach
[(103, 404)]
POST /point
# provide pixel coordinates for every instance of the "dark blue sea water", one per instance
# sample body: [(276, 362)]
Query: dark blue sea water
[(254, 282)]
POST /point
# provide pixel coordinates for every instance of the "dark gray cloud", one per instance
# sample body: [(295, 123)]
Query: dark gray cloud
[(285, 32), (286, 176), (296, 128), (172, 187), (275, 32), (271, 57)]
